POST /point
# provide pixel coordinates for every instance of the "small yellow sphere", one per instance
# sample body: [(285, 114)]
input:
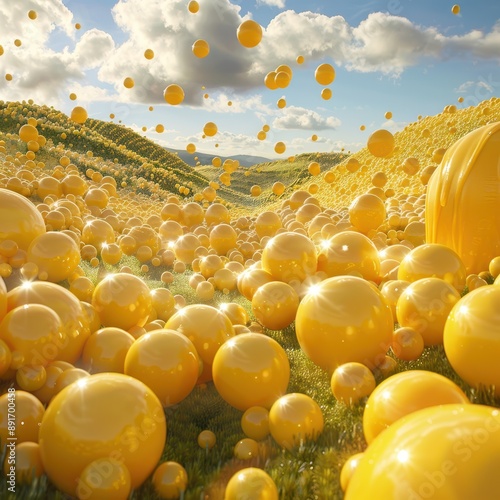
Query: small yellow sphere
[(249, 33)]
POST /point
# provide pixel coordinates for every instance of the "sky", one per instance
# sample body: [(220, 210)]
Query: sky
[(404, 56)]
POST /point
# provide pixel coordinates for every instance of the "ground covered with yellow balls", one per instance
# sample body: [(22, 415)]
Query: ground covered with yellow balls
[(170, 332)]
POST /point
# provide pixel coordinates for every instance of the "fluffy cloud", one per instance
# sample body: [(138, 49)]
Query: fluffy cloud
[(272, 3), (294, 117), (93, 48)]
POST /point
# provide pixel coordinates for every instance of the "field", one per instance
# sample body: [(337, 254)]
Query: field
[(147, 177)]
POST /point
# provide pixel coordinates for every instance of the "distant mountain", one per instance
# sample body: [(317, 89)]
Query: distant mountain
[(206, 159)]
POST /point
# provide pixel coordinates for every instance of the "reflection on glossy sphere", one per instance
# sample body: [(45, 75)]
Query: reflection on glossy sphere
[(344, 319), (367, 212), (170, 480), (405, 393), (443, 452), (351, 382), (104, 415), (472, 337), (251, 369), (294, 419)]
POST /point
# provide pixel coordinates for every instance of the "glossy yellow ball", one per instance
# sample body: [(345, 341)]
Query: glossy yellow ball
[(170, 480), (255, 422), (351, 382), (251, 483)]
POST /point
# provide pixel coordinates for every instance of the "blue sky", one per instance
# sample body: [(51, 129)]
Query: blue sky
[(411, 58)]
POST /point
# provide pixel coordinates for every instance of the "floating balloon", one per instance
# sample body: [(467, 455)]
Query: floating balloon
[(128, 83), (249, 33), (201, 48), (455, 9), (193, 6), (79, 115), (210, 129), (149, 54), (173, 94), (324, 74)]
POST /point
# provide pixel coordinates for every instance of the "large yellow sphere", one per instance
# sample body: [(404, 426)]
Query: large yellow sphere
[(405, 393), (173, 94), (79, 114), (20, 221), (267, 224), (367, 212), (344, 319), (249, 33), (28, 416), (251, 483), (104, 415), (324, 74), (463, 198), (122, 300), (250, 280), (210, 129), (206, 327), (472, 337), (97, 233), (278, 188), (351, 382), (167, 362), (289, 257), (223, 238), (128, 83), (381, 143), (424, 306), (349, 252), (28, 133), (251, 369), (455, 9), (105, 350), (69, 309), (275, 304), (193, 6), (433, 260), (295, 419), (56, 255), (443, 452)]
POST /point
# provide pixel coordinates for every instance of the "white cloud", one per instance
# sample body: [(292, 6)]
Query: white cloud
[(272, 3), (239, 104), (93, 48), (294, 117), (466, 86)]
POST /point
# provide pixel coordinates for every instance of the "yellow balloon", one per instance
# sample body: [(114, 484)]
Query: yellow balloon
[(149, 54), (174, 94), (210, 129), (455, 9), (79, 114), (381, 143), (463, 438), (104, 415), (294, 419), (344, 319), (324, 74), (191, 148), (251, 483), (249, 33), (201, 48), (193, 6), (128, 83), (280, 147), (404, 393), (471, 337), (251, 369), (167, 362)]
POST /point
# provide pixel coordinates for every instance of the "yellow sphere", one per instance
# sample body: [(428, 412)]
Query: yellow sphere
[(455, 9), (149, 54), (55, 254), (251, 483), (223, 238), (465, 189), (174, 94), (463, 438), (193, 6), (424, 306), (201, 48), (255, 422), (344, 319), (433, 260), (407, 344), (167, 362), (255, 190), (324, 74), (170, 480), (278, 188), (98, 233), (349, 252), (251, 369), (28, 133), (20, 221), (267, 224), (128, 83), (289, 256), (367, 212), (122, 300), (471, 337), (210, 129), (326, 94), (348, 469), (275, 304), (104, 415), (79, 114), (280, 147), (352, 382), (295, 419), (381, 143), (404, 393), (28, 462), (249, 33)]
